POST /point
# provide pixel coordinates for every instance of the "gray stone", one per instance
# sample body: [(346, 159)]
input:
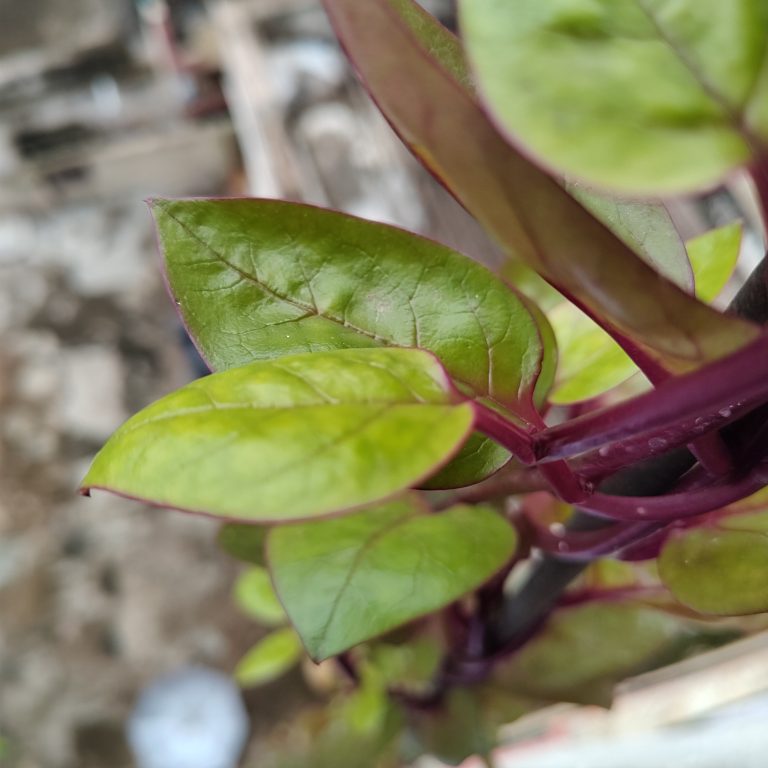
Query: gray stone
[(194, 718)]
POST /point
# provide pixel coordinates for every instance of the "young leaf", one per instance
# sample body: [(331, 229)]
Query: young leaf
[(366, 709), (719, 568), (584, 650), (650, 103), (255, 596), (269, 659), (375, 570), (243, 542), (291, 278), (713, 257), (590, 362), (407, 666), (522, 206), (286, 439)]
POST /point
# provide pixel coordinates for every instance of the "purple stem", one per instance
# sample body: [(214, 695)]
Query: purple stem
[(713, 454), (584, 546), (560, 477), (674, 506), (684, 406), (504, 432)]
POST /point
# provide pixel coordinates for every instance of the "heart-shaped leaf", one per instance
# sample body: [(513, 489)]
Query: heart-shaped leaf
[(286, 439), (345, 580), (527, 211), (270, 658), (720, 568), (639, 95)]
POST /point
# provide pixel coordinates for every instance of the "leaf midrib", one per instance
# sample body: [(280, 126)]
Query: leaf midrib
[(735, 113), (363, 550)]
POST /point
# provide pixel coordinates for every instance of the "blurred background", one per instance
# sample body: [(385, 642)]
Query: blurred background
[(103, 104)]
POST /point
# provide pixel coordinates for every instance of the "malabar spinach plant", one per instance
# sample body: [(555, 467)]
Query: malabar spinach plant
[(483, 493)]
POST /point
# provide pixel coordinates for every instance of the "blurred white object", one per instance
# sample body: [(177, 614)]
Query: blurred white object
[(193, 718)]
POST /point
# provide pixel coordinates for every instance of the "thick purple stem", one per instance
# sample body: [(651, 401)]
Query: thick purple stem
[(505, 432), (674, 506), (684, 407)]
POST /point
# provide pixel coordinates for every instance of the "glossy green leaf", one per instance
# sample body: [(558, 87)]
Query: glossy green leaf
[(660, 95), (243, 542), (270, 658), (585, 650), (302, 436), (528, 212), (713, 257), (258, 279), (255, 596), (720, 568), (478, 458), (348, 579)]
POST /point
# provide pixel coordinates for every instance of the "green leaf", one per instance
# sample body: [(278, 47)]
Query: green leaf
[(527, 211), (646, 227), (583, 651), (478, 458), (365, 710), (407, 666), (528, 282), (720, 568), (713, 257), (325, 738), (660, 96), (456, 730), (243, 542), (255, 596), (375, 570), (590, 361), (258, 279), (287, 439), (270, 658)]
